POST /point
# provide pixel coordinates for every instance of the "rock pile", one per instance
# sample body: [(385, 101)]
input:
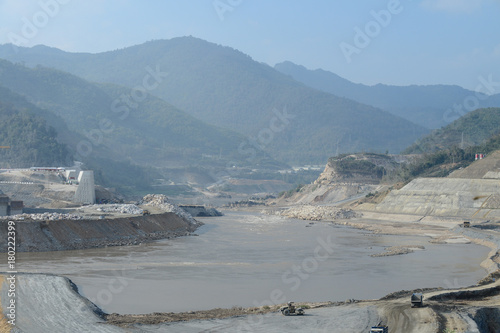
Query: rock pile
[(116, 208), (161, 201), (317, 213), (43, 217)]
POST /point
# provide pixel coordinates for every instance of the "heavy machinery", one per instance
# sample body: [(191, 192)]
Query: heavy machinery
[(417, 300), (379, 329), (291, 310)]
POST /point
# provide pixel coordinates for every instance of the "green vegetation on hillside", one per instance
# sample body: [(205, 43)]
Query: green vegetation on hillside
[(441, 163), (32, 142), (363, 164), (350, 165), (224, 87), (470, 130)]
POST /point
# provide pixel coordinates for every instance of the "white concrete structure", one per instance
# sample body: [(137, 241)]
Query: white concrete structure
[(85, 192), (4, 205)]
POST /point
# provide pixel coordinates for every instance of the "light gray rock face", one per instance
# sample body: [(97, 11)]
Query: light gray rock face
[(476, 198)]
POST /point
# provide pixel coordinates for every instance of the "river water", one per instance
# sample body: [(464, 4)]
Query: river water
[(247, 259)]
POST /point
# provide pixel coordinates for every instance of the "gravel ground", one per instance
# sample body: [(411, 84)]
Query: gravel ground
[(48, 303)]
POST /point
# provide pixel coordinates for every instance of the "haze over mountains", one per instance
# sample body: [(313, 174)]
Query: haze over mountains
[(183, 103), (226, 88), (431, 106)]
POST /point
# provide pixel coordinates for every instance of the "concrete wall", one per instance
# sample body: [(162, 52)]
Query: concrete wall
[(474, 198), (4, 208), (85, 192)]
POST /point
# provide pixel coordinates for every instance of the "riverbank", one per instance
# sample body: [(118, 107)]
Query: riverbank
[(70, 234), (52, 303), (440, 230), (393, 310)]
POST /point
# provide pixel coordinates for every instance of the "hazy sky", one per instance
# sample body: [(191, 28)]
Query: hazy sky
[(397, 42)]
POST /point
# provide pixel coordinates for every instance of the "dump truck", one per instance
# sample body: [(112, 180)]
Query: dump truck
[(417, 300), (379, 329), (466, 224)]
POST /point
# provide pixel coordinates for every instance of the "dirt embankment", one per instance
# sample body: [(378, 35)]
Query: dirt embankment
[(39, 236)]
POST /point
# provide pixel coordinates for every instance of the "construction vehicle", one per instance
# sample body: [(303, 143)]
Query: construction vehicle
[(291, 310), (466, 224), (379, 329), (417, 300)]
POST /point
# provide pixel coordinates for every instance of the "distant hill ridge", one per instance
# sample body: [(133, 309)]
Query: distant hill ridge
[(226, 88), (148, 134), (431, 106), (472, 129)]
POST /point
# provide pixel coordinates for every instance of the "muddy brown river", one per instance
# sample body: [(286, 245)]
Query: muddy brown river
[(247, 259)]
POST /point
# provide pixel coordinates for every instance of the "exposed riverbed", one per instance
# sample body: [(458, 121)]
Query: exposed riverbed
[(246, 259)]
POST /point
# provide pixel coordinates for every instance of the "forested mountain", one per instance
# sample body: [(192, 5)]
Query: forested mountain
[(125, 142), (150, 132), (32, 141), (38, 137), (472, 129), (431, 106), (225, 87)]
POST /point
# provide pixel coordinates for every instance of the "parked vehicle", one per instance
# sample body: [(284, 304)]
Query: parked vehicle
[(379, 329)]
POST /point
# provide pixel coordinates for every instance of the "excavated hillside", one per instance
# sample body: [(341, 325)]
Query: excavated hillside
[(472, 192), (345, 177)]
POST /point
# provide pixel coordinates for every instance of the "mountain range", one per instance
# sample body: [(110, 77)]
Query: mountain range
[(473, 129), (221, 86), (168, 106), (431, 106)]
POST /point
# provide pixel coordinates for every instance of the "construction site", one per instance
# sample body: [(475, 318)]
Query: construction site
[(49, 187), (461, 209)]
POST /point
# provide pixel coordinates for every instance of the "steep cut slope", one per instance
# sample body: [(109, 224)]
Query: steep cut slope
[(227, 88), (345, 177), (430, 106), (472, 192)]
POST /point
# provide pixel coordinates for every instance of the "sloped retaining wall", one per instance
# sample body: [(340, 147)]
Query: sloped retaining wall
[(473, 198), (40, 236)]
